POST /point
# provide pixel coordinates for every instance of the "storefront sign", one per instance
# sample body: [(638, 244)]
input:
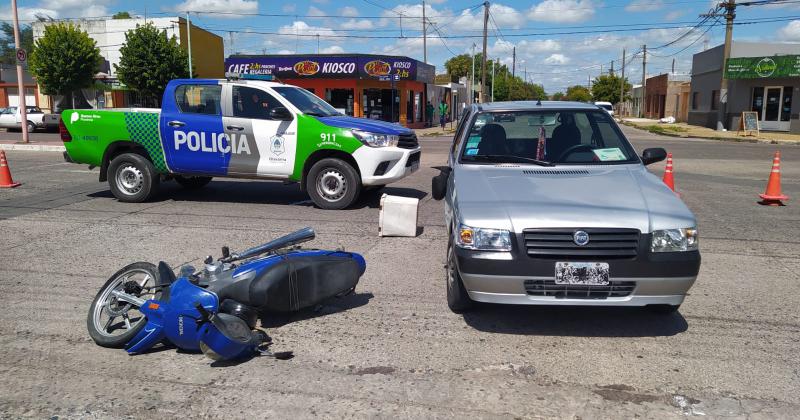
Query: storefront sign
[(763, 67), (332, 67)]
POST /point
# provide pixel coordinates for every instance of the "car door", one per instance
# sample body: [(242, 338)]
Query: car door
[(8, 117), (191, 130), (264, 146)]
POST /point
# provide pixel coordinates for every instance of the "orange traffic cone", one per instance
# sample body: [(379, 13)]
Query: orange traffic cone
[(668, 176), (5, 174), (773, 196)]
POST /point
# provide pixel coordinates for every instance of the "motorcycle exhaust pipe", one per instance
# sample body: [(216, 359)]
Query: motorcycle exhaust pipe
[(294, 238)]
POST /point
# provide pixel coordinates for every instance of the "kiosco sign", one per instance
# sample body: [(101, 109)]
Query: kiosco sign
[(332, 67), (763, 67)]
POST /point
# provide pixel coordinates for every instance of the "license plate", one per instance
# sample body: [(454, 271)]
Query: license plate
[(584, 273)]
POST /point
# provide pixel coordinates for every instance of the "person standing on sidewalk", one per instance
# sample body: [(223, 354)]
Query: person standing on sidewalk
[(429, 113), (443, 113)]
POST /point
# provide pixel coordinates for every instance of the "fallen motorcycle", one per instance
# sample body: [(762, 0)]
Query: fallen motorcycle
[(215, 310)]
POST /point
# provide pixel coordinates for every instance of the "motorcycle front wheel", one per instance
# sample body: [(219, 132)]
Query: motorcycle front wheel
[(113, 323)]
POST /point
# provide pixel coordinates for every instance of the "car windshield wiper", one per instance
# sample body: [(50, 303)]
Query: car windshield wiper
[(505, 158)]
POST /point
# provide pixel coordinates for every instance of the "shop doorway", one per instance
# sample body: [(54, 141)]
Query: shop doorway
[(773, 105), (341, 99), (382, 104)]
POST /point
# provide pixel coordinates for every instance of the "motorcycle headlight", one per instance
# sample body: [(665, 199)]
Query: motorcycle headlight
[(376, 140), (483, 239), (674, 240)]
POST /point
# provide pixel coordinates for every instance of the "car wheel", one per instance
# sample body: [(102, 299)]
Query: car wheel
[(457, 298), (663, 309), (333, 184), (193, 182), (132, 178), (31, 127)]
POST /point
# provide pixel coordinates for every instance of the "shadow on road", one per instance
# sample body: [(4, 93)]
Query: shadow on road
[(261, 193), (330, 306), (574, 321)]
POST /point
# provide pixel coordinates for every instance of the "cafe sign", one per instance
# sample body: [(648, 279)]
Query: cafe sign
[(332, 67), (763, 67)]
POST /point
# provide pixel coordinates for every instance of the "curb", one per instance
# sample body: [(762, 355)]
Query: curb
[(32, 147), (731, 139)]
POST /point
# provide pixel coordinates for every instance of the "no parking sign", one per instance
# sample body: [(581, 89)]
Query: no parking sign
[(22, 56)]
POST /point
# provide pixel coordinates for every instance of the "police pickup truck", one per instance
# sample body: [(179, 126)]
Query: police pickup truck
[(242, 128)]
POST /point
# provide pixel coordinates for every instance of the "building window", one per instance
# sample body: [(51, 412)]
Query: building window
[(758, 100), (714, 99), (786, 110), (695, 99)]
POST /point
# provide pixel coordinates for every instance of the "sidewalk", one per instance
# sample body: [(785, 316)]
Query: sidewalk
[(686, 130), (436, 131), (35, 146)]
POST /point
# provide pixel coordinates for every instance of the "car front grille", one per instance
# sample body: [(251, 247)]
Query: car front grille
[(603, 243), (408, 141), (549, 288)]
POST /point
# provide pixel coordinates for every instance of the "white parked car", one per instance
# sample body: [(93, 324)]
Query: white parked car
[(607, 106), (11, 118)]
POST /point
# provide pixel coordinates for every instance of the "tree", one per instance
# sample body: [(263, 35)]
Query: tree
[(578, 93), (459, 66), (121, 15), (510, 88), (607, 88), (64, 59), (8, 53), (149, 60), (558, 96)]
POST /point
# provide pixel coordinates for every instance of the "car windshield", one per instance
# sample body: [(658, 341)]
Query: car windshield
[(546, 137), (307, 102), (606, 106)]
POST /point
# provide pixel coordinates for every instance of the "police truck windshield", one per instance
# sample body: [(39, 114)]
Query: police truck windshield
[(307, 102), (582, 137)]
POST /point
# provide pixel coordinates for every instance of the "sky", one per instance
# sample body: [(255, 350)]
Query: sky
[(559, 43)]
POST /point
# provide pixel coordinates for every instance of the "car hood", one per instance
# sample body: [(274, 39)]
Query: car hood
[(518, 197), (372, 126)]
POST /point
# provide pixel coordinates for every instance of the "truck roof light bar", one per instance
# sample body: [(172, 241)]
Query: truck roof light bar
[(247, 76)]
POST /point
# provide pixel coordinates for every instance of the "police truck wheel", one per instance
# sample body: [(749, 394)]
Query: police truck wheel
[(132, 178), (457, 298), (333, 184), (193, 182)]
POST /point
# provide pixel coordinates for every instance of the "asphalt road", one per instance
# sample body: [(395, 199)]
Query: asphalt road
[(393, 349)]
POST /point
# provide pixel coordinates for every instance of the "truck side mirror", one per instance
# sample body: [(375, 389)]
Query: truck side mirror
[(653, 155), (280, 113), (439, 184)]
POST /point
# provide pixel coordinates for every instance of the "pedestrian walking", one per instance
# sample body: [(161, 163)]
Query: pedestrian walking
[(443, 113)]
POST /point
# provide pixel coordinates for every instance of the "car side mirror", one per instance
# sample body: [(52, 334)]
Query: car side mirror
[(439, 183), (653, 155), (280, 113)]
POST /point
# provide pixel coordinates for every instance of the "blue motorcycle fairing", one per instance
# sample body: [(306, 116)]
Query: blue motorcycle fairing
[(174, 319)]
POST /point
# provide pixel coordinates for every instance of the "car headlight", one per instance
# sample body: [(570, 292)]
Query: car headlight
[(483, 239), (376, 140), (674, 240)]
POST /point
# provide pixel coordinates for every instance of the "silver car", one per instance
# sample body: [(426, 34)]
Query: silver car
[(549, 204)]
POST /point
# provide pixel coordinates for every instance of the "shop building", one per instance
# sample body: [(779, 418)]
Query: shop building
[(667, 95), (388, 88), (109, 35), (763, 78), (9, 88)]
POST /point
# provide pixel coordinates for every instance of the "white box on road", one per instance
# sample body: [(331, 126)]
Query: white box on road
[(398, 216)]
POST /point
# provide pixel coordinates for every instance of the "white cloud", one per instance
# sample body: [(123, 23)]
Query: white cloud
[(70, 8), (644, 5), (302, 28), (333, 49), (562, 11), (315, 11), (504, 17), (228, 6), (285, 52), (674, 15), (556, 59), (790, 32), (357, 24), (349, 11), (28, 13)]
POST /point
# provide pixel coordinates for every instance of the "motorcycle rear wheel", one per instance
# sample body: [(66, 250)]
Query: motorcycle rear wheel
[(112, 323)]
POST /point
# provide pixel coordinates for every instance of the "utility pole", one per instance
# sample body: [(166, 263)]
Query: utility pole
[(730, 14), (317, 43), (611, 72), (514, 62), (23, 111), (622, 89), (483, 59), (189, 42), (644, 81), (424, 35), (493, 67), (472, 78)]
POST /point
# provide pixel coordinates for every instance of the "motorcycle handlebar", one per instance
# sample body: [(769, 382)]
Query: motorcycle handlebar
[(294, 238)]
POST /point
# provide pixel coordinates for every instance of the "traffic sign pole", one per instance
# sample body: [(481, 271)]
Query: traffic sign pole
[(20, 81)]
